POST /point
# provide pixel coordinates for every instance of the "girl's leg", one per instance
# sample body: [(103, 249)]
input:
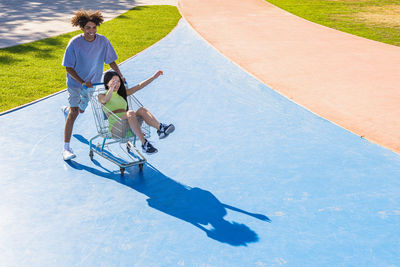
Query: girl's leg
[(148, 117), (134, 124), (162, 130)]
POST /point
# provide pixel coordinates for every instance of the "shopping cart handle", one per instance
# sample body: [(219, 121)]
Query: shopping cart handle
[(94, 84)]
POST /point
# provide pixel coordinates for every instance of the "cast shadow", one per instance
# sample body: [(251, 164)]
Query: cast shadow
[(191, 204)]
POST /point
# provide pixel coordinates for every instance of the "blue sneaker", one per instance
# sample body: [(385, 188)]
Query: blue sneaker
[(165, 130), (149, 148)]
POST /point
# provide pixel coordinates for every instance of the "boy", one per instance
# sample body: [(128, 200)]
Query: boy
[(84, 60)]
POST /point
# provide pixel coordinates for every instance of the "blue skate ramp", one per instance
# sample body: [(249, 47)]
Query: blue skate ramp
[(248, 178)]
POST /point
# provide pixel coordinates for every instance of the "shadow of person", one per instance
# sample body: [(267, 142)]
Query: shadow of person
[(191, 204), (196, 206), (202, 209)]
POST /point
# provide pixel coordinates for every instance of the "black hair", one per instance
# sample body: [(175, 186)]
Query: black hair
[(121, 90)]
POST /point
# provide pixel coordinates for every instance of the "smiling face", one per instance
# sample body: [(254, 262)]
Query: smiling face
[(89, 31), (114, 83)]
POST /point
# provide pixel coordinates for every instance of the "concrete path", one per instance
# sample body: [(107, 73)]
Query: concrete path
[(348, 80), (23, 21)]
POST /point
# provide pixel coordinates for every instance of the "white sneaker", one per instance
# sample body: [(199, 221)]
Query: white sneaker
[(65, 111), (68, 154)]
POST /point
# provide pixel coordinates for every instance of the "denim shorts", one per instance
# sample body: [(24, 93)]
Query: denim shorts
[(78, 97)]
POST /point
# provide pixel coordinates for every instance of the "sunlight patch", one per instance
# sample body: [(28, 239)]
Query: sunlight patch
[(388, 15)]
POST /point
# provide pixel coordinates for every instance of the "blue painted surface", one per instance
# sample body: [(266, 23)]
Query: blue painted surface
[(247, 179)]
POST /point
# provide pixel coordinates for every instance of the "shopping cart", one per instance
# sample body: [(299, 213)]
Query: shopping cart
[(127, 154)]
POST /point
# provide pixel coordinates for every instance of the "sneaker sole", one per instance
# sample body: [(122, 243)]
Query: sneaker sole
[(167, 132), (149, 153), (69, 158), (170, 129)]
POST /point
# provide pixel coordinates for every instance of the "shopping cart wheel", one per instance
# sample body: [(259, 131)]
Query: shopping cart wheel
[(122, 171), (91, 155), (141, 167)]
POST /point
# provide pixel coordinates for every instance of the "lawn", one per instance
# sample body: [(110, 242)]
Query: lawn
[(373, 19), (33, 70)]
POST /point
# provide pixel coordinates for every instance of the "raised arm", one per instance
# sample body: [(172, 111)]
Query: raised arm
[(104, 98), (139, 86)]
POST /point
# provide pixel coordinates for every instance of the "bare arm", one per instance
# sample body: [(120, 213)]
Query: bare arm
[(255, 215), (76, 77), (115, 67), (139, 86), (104, 98)]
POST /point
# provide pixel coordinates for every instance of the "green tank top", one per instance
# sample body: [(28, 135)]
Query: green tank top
[(116, 102)]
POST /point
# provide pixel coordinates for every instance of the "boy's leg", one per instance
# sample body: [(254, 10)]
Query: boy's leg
[(69, 123), (74, 100)]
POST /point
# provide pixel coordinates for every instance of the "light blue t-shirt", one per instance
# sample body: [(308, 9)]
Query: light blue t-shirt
[(88, 58)]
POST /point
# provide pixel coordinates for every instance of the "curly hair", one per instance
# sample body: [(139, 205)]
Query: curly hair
[(82, 17)]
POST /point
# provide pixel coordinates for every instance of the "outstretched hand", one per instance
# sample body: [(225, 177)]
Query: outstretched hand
[(158, 73)]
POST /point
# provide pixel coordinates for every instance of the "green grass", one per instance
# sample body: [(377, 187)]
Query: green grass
[(373, 19), (32, 71)]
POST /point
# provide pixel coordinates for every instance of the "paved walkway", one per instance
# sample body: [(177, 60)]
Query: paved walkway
[(248, 178), (348, 80), (25, 21)]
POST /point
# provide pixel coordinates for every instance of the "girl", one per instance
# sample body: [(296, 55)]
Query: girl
[(115, 100)]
